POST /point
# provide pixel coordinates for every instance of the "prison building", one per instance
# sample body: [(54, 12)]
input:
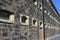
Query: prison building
[(23, 20)]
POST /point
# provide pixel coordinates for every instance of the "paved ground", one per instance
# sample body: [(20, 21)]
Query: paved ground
[(56, 37)]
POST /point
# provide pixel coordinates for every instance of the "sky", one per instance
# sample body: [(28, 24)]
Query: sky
[(57, 5)]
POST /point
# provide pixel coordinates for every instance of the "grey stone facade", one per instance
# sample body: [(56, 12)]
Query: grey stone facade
[(28, 18)]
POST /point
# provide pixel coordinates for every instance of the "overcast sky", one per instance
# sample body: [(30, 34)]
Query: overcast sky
[(57, 5)]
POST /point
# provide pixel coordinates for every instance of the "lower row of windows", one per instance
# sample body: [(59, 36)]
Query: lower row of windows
[(24, 20)]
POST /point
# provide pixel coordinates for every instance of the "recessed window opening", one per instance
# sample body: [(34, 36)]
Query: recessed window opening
[(23, 19), (34, 22), (35, 2), (41, 25), (5, 15), (45, 11), (40, 5)]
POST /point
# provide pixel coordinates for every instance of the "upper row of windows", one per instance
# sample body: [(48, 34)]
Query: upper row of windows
[(36, 3)]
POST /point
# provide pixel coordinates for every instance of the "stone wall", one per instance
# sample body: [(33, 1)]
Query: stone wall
[(27, 17)]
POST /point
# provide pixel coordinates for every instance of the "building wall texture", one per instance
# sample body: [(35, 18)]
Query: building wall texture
[(31, 11)]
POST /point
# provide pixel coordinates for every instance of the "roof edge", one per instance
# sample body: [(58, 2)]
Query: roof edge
[(54, 7)]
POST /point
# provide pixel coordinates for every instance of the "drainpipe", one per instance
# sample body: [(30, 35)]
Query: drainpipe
[(43, 20)]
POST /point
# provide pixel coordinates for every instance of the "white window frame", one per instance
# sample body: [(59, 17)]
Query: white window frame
[(35, 22), (27, 21), (41, 26), (41, 5), (35, 3)]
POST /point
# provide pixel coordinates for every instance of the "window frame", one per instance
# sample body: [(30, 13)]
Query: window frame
[(40, 25), (35, 22), (27, 20)]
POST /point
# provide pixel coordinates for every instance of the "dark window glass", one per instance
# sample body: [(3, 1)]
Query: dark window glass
[(40, 23), (4, 14), (23, 19), (34, 21)]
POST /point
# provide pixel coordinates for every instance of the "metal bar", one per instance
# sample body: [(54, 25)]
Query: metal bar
[(43, 20)]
